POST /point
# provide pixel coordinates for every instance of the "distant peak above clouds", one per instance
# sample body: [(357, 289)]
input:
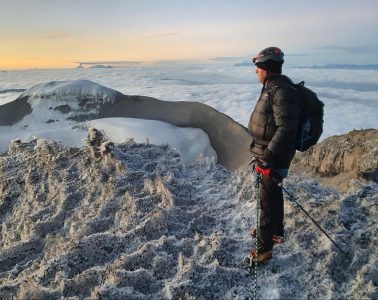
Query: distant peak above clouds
[(346, 67), (74, 88), (109, 63), (362, 49)]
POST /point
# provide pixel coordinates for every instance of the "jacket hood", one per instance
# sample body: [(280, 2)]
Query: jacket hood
[(278, 79)]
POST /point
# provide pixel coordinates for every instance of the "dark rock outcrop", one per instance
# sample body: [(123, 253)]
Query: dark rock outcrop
[(12, 112)]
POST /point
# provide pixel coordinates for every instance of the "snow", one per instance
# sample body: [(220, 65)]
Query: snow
[(128, 221), (191, 143), (81, 89)]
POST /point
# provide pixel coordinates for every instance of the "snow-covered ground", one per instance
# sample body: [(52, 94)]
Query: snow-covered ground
[(129, 221)]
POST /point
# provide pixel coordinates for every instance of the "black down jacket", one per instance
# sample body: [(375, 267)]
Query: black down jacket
[(274, 121)]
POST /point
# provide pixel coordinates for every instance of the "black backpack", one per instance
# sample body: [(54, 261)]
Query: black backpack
[(310, 126)]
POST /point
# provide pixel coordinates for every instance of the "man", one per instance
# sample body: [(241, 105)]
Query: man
[(273, 125)]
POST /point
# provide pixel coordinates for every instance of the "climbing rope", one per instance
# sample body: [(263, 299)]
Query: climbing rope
[(248, 260), (258, 179)]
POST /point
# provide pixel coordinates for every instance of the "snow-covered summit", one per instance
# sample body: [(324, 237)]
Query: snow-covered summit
[(72, 89), (71, 100)]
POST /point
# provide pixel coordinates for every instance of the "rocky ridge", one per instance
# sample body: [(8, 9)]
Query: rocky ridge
[(339, 160)]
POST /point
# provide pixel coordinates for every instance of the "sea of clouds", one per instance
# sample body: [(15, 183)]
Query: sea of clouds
[(349, 95)]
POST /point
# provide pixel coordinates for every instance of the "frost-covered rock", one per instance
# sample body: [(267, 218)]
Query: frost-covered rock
[(339, 159)]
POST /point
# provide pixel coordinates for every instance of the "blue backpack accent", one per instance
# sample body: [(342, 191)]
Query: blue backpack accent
[(310, 125)]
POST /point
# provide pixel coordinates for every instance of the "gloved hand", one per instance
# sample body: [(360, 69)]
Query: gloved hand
[(262, 167)]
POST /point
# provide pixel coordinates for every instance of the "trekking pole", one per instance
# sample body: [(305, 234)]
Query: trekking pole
[(322, 230)]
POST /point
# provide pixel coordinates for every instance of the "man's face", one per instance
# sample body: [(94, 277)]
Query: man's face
[(261, 74)]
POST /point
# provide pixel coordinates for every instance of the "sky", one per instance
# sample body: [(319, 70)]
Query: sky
[(51, 33)]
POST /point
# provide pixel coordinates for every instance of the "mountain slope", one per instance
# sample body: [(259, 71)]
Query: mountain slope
[(128, 221)]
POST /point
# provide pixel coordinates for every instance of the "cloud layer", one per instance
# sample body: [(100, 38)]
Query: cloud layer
[(350, 95)]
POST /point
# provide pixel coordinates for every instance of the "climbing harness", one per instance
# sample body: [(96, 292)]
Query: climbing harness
[(292, 199), (248, 260)]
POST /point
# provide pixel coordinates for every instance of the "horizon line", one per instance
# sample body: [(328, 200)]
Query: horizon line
[(372, 66)]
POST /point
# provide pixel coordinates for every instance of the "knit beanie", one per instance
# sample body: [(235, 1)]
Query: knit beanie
[(271, 66)]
